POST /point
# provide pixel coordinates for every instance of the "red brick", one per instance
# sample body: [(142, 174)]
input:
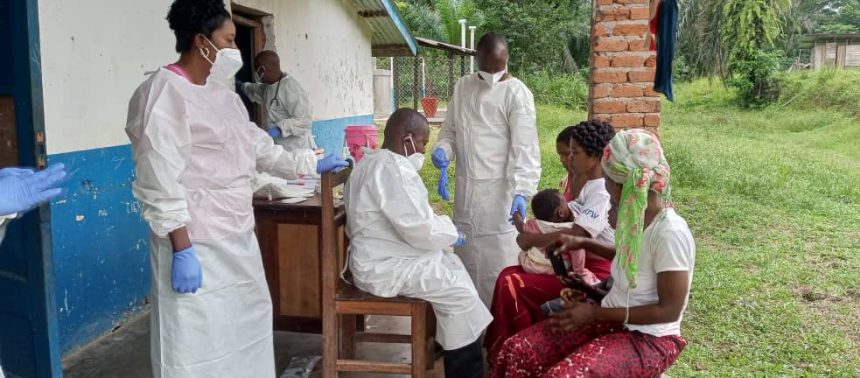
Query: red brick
[(652, 120), (643, 106), (641, 76), (640, 13), (638, 45), (610, 106), (627, 120), (627, 90), (600, 30), (604, 44), (630, 29), (601, 61), (605, 2), (608, 77), (651, 61), (601, 90), (628, 61), (612, 13), (649, 91), (632, 1), (602, 117)]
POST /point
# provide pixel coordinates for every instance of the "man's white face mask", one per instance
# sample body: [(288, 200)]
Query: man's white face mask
[(416, 158), (493, 78)]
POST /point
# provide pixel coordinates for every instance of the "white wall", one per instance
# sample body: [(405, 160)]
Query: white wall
[(326, 46), (94, 54)]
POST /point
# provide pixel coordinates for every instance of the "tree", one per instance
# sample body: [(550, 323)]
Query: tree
[(750, 28), (439, 19), (543, 35)]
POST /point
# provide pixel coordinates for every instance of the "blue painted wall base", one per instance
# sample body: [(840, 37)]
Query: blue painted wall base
[(99, 241)]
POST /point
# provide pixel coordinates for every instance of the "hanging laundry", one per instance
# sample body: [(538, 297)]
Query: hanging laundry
[(663, 29)]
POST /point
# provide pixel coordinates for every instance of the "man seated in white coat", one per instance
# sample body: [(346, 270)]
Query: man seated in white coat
[(398, 246)]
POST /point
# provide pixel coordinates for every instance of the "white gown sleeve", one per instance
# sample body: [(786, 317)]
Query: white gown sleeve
[(294, 98), (255, 92), (403, 199), (276, 161), (159, 137), (525, 148), (448, 135)]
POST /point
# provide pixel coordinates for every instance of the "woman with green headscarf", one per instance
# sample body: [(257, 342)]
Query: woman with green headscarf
[(635, 332)]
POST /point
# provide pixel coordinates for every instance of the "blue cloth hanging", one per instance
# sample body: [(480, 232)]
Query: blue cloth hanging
[(666, 33)]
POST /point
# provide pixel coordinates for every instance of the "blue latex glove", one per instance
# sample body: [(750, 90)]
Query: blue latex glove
[(186, 276), (441, 162), (24, 189), (274, 132), (518, 206), (461, 241), (439, 158), (239, 85), (15, 171), (331, 163)]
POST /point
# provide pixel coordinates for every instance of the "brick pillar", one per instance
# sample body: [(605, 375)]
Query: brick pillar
[(622, 67)]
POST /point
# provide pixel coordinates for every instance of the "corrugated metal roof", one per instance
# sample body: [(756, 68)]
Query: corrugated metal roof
[(389, 34)]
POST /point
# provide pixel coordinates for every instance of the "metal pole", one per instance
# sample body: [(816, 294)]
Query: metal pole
[(395, 87), (415, 68), (472, 46), (463, 32), (450, 75)]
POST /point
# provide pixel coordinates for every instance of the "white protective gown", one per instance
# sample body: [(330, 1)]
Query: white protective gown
[(288, 107), (195, 153), (397, 243), (491, 133)]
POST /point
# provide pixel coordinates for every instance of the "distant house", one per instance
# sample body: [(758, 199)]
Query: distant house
[(835, 50)]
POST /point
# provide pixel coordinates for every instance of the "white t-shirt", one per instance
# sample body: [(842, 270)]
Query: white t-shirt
[(667, 246), (591, 211)]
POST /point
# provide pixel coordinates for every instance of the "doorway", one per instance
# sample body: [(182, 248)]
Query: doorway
[(29, 346), (251, 40)]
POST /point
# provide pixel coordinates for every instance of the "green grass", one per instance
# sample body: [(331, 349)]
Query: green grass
[(773, 198)]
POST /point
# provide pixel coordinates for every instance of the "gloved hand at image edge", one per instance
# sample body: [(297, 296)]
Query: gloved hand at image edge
[(186, 274), (23, 189), (331, 163), (518, 206)]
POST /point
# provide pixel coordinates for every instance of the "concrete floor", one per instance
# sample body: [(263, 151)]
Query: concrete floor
[(125, 353)]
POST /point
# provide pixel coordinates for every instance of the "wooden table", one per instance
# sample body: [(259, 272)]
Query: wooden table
[(290, 241)]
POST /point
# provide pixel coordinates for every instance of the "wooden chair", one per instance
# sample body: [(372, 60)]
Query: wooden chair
[(344, 307)]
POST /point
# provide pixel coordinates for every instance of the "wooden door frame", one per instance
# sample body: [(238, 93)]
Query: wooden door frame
[(253, 19)]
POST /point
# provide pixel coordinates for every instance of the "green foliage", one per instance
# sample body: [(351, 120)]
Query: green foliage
[(753, 75), (439, 19), (543, 35), (837, 90), (750, 28), (565, 90)]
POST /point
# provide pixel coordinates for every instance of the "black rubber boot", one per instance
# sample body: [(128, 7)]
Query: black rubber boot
[(466, 362)]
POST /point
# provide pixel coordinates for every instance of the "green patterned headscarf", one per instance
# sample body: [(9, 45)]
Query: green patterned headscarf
[(635, 159)]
